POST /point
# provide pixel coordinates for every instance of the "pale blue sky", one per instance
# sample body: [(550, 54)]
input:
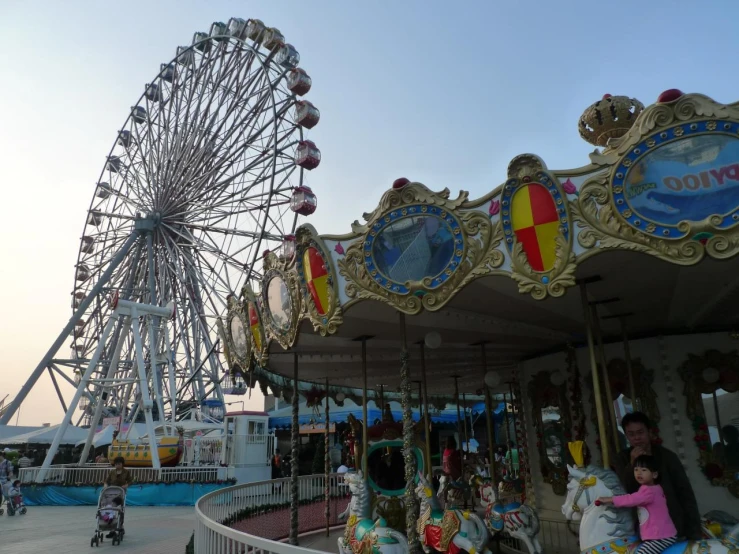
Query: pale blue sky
[(440, 92)]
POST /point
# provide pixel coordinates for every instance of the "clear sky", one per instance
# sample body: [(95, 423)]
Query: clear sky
[(441, 92)]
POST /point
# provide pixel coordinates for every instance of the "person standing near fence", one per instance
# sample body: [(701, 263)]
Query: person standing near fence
[(6, 473)]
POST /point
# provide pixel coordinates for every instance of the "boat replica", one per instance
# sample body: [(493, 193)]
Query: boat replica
[(138, 454)]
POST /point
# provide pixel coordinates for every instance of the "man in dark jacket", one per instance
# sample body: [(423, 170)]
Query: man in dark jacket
[(679, 493)]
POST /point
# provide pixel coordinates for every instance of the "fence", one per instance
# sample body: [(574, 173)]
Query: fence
[(555, 536), (95, 474), (229, 520)]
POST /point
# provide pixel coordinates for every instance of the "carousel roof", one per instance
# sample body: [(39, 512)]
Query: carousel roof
[(652, 239)]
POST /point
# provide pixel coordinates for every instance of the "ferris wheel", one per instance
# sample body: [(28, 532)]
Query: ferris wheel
[(206, 173)]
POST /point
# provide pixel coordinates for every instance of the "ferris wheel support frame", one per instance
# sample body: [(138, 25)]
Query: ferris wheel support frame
[(131, 312), (104, 278)]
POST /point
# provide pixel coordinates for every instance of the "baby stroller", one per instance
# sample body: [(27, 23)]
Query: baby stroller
[(109, 516), (15, 499)]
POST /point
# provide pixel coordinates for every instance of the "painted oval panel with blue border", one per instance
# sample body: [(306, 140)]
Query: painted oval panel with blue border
[(680, 174), (413, 244)]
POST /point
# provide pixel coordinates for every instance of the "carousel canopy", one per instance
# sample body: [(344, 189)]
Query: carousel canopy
[(282, 418), (643, 239), (101, 438), (46, 435)]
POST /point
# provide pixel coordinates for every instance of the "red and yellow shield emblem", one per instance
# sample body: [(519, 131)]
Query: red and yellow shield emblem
[(256, 331), (316, 279), (536, 224)]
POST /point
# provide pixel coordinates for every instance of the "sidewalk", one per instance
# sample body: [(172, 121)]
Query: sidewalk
[(68, 529)]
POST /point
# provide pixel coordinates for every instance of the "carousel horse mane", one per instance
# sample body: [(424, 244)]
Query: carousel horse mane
[(622, 520), (359, 489)]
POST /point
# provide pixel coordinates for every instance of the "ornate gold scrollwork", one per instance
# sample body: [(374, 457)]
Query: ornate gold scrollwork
[(603, 208), (280, 304), (325, 319), (473, 239), (525, 171)]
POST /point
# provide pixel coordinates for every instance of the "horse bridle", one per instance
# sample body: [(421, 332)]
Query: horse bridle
[(585, 484)]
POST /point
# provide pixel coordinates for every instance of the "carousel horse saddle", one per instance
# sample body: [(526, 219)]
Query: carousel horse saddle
[(503, 508), (363, 527)]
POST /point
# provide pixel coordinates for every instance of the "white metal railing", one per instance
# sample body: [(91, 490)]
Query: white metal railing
[(211, 510), (95, 475), (556, 537)]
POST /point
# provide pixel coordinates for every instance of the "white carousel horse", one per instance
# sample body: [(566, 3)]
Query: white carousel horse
[(605, 529), (518, 520), (448, 530), (362, 535)]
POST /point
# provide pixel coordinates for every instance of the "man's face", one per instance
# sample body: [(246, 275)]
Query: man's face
[(119, 465), (638, 435)]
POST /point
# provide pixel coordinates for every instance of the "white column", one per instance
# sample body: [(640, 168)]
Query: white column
[(144, 389)]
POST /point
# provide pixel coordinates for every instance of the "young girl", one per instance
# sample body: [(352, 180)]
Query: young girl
[(655, 526)]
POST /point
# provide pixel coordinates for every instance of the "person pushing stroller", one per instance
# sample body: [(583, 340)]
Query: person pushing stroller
[(119, 476)]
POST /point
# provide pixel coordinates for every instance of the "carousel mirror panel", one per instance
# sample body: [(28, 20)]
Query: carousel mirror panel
[(279, 303), (620, 386), (712, 395), (386, 473), (548, 393)]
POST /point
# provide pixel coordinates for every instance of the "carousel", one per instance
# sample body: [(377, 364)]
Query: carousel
[(579, 294)]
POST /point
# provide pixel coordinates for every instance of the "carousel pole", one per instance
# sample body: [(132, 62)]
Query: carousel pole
[(294, 454), (606, 379), (507, 421), (513, 413), (594, 374), (459, 416), (365, 400), (327, 464), (426, 418), (411, 502), (464, 422), (629, 368), (489, 418)]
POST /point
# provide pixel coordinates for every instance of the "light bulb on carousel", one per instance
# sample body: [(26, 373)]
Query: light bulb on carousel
[(432, 340), (711, 375), (492, 379), (558, 378)]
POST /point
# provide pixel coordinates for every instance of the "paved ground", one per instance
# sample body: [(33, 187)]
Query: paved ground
[(67, 530)]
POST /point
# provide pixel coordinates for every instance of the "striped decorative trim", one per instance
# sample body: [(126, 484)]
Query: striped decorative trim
[(672, 401)]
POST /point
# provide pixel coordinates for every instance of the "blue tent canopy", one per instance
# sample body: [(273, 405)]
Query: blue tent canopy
[(282, 418)]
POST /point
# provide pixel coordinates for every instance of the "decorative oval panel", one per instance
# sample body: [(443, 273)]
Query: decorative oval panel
[(239, 339), (679, 177), (531, 214), (414, 244), (316, 275), (279, 303)]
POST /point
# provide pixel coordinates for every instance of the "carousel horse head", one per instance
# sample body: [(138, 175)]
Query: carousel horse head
[(588, 484), (425, 492), (358, 488)]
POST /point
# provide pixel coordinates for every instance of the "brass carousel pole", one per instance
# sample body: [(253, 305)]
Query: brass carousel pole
[(327, 463), (411, 502), (426, 417), (295, 437), (606, 379), (489, 418), (629, 368), (594, 374)]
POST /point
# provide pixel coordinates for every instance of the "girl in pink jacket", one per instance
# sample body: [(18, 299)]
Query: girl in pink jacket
[(655, 526)]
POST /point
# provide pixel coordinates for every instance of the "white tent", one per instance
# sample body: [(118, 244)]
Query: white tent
[(101, 438), (46, 435)]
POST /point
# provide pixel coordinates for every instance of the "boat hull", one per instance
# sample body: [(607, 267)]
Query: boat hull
[(139, 455)]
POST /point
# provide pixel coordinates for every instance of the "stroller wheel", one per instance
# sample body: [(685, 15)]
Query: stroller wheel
[(23, 511), (115, 542)]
